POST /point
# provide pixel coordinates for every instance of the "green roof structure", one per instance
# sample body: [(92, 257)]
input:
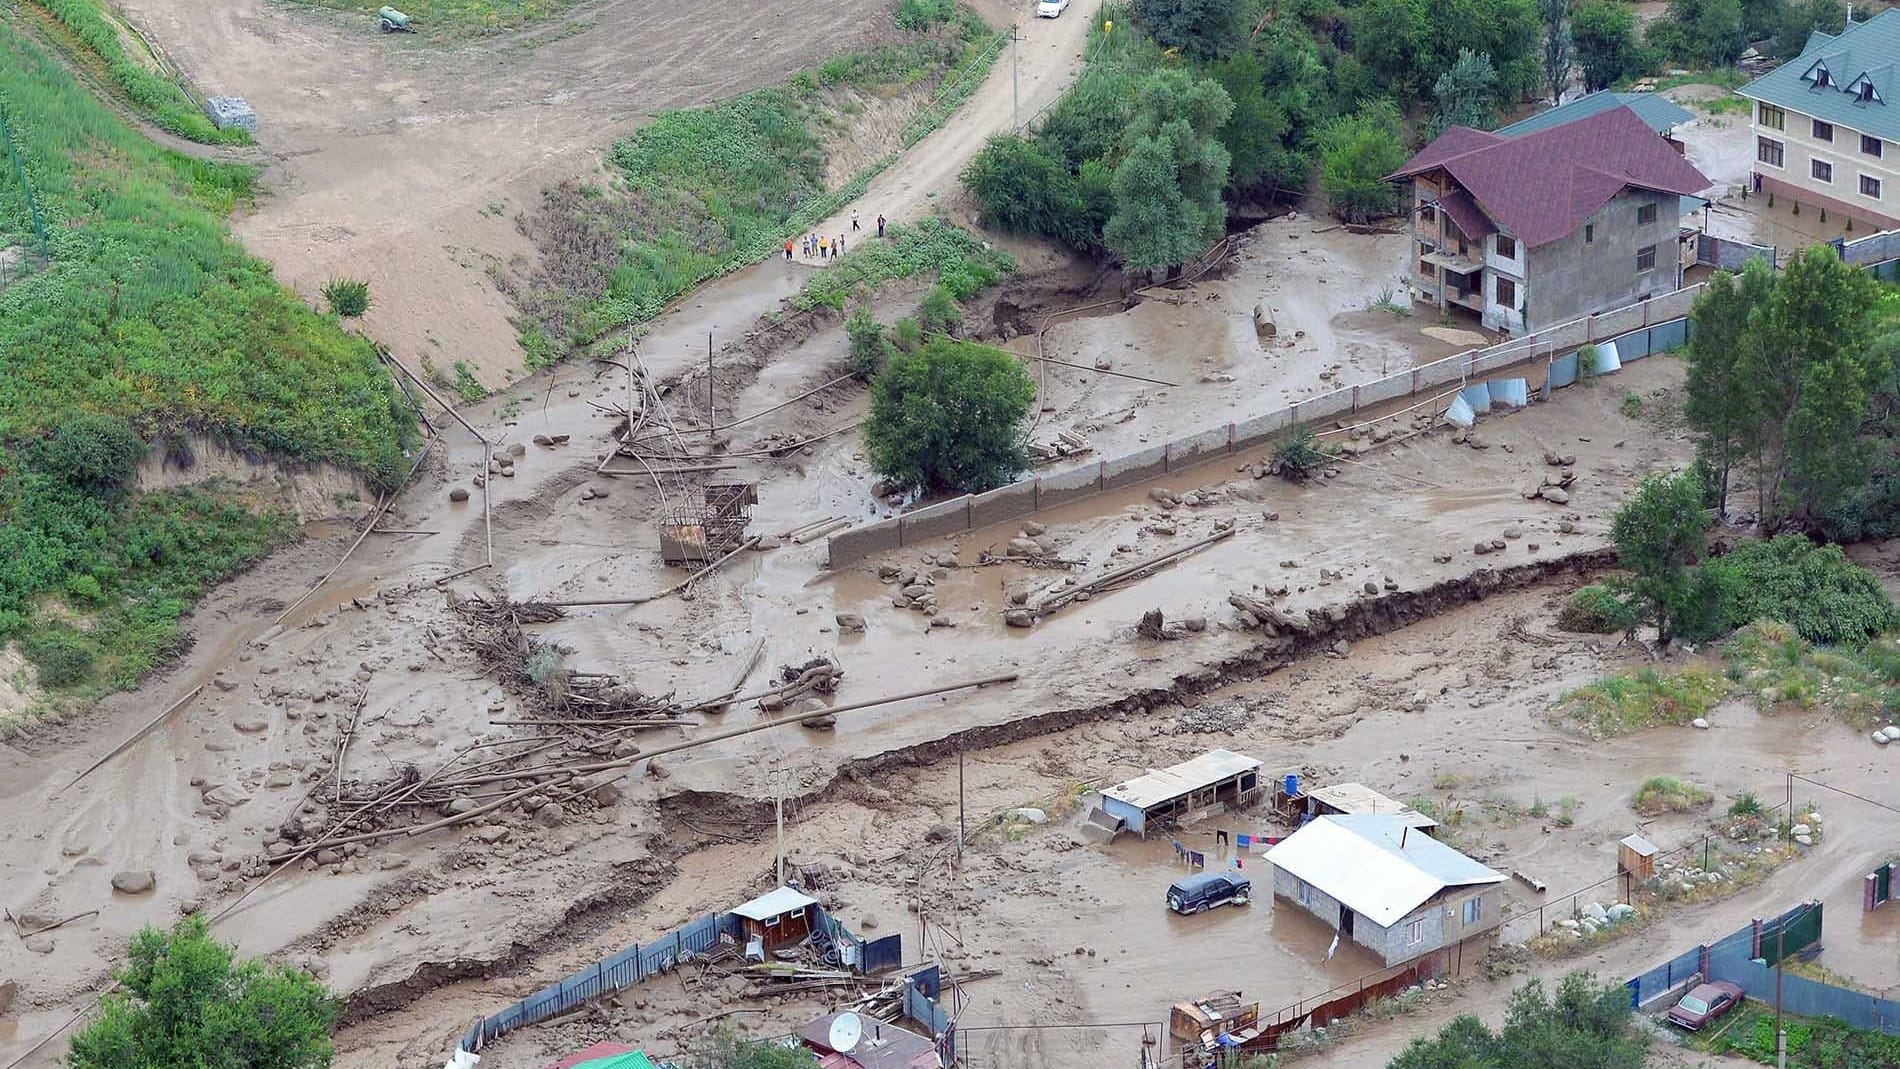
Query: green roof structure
[(1851, 79), (633, 1059), (1657, 112)]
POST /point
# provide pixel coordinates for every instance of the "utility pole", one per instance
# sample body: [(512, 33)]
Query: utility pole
[(778, 783), (1781, 1034), (712, 414), (1015, 83), (960, 831)]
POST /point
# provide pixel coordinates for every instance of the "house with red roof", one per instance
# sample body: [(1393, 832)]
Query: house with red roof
[(1550, 225)]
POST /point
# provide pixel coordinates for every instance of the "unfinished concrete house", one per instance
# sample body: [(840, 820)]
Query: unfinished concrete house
[(1386, 885), (1529, 231)]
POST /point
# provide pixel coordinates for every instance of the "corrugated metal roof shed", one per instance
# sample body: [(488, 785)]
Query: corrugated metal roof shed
[(1376, 865), (1166, 784), (774, 903), (1356, 798)]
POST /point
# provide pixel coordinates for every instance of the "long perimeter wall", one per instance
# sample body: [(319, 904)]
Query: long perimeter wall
[(1637, 329)]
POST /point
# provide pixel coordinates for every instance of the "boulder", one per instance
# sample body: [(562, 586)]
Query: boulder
[(1801, 829), (1556, 495), (327, 856), (516, 449), (1023, 547), (1028, 815), (1019, 618), (850, 623), (458, 806), (1622, 911), (868, 922), (252, 723), (134, 881), (1804, 840), (604, 787), (38, 944), (552, 815), (459, 494), (542, 439), (1595, 912), (228, 795), (1700, 722)]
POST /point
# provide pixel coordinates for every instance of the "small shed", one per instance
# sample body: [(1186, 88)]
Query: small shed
[(1205, 1018), (1181, 792), (1636, 856), (777, 918), (1357, 799)]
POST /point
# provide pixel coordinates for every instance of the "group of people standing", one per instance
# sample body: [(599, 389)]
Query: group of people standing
[(825, 248)]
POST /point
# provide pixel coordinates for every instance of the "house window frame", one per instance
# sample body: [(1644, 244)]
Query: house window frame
[(1427, 214), (1816, 165), (1305, 894), (1770, 116), (1646, 252), (1822, 130), (1646, 214), (1780, 149), (1589, 233), (1497, 296), (1426, 270), (1878, 186), (1473, 910), (1415, 932), (1499, 243), (1879, 147)]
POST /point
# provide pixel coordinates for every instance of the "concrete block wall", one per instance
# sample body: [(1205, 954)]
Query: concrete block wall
[(1066, 486), (1003, 503), (1133, 468), (1545, 360), (1873, 249), (935, 521)]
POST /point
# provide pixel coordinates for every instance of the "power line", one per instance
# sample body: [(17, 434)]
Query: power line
[(1840, 790)]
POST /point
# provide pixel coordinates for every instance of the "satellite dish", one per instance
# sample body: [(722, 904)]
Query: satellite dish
[(847, 1029)]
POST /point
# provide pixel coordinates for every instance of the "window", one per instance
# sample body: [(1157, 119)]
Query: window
[(1474, 910), (1867, 94), (1822, 170), (1870, 146), (1507, 293), (1589, 233), (1425, 269), (1822, 78), (1823, 131), (1870, 186), (1768, 151), (1646, 215), (1414, 933), (1306, 893), (1428, 214), (1646, 258), (1772, 117), (1507, 247)]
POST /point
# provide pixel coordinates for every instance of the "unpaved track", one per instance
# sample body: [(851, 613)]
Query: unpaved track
[(403, 160)]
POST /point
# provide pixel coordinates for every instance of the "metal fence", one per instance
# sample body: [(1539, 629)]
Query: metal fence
[(1879, 886), (1746, 958)]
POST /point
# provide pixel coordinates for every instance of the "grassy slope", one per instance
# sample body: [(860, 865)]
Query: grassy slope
[(149, 313), (703, 191), (84, 29)]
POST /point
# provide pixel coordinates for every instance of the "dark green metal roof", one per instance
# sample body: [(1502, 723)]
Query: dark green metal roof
[(1864, 53), (1659, 113)]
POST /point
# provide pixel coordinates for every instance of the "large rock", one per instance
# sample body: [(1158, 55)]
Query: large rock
[(1556, 495), (850, 623), (1028, 815), (229, 794), (134, 881), (252, 723)]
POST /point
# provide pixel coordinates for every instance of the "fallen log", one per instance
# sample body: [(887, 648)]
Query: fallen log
[(1125, 573)]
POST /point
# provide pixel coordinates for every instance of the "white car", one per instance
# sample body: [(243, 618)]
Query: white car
[(1050, 9)]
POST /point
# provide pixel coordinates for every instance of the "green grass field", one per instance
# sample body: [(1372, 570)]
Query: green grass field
[(147, 321), (92, 39)]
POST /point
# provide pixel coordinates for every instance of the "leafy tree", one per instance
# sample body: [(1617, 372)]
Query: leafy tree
[(187, 1002), (1603, 33), (1467, 94), (1356, 153), (949, 417), (1168, 186), (1794, 20), (1659, 532), (1816, 590), (1201, 29), (868, 347), (730, 1050), (1718, 402), (1557, 51), (1025, 189), (1585, 1024), (1393, 39), (1702, 31), (1508, 31), (1089, 120), (1256, 132)]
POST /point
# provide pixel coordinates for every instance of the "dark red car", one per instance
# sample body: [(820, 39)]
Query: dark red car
[(1704, 1004)]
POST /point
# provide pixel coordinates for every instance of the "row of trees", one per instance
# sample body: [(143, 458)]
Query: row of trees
[(1794, 383)]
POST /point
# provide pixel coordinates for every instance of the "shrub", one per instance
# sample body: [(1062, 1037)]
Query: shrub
[(1596, 610), (922, 14), (1356, 153), (185, 1000), (949, 416), (907, 335), (870, 349), (1667, 794), (1826, 597), (1646, 698), (1301, 456), (1025, 188), (61, 657), (90, 451), (1746, 805), (347, 297), (940, 313)]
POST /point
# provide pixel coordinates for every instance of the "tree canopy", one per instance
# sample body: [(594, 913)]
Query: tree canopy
[(1557, 46), (187, 1003), (1584, 1023), (1603, 33), (1660, 531), (1203, 29), (1467, 94), (949, 417), (1168, 205), (1356, 153)]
